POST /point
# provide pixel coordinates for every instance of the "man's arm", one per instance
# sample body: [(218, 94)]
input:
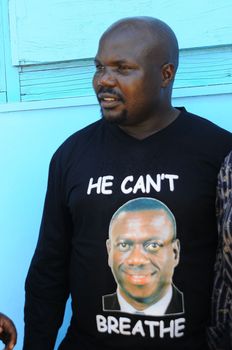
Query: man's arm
[(220, 332), (47, 283), (8, 333), (226, 226)]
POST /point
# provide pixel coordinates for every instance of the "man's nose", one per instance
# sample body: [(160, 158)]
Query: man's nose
[(106, 78), (137, 256)]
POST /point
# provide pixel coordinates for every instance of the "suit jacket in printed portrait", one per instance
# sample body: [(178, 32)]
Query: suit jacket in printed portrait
[(176, 306)]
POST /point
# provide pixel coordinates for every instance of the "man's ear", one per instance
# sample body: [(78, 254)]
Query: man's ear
[(108, 247), (168, 74), (176, 250)]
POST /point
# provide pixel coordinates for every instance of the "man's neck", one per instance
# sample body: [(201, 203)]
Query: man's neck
[(151, 126), (161, 301)]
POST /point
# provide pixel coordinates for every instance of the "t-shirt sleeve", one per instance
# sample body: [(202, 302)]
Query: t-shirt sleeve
[(47, 286)]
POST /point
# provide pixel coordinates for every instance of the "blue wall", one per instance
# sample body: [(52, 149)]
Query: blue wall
[(27, 140), (31, 132)]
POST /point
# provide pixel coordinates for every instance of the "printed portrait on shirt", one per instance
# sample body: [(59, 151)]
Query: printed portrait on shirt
[(143, 251)]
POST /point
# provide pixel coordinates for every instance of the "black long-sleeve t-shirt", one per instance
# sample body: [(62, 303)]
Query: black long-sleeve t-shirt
[(91, 175)]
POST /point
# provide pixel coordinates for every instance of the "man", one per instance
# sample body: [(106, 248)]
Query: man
[(143, 252), (220, 332), (8, 333), (142, 146)]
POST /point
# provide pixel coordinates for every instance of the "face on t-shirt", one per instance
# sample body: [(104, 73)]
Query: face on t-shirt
[(142, 255)]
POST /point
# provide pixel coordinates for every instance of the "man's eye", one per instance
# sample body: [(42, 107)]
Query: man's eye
[(123, 246), (124, 69), (99, 68), (153, 247)]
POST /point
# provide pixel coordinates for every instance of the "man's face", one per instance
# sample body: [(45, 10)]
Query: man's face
[(128, 77), (143, 255)]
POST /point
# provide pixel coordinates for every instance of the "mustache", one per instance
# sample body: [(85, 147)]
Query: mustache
[(110, 91)]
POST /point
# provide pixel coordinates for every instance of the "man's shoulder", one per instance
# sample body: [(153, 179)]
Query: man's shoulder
[(176, 305), (82, 135), (110, 302), (109, 297), (177, 293), (78, 140), (205, 136), (203, 125)]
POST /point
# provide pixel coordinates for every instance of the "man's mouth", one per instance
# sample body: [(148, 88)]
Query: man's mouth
[(108, 101), (139, 278)]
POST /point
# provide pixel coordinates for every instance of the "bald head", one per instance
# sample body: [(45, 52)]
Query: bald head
[(143, 206), (158, 37)]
